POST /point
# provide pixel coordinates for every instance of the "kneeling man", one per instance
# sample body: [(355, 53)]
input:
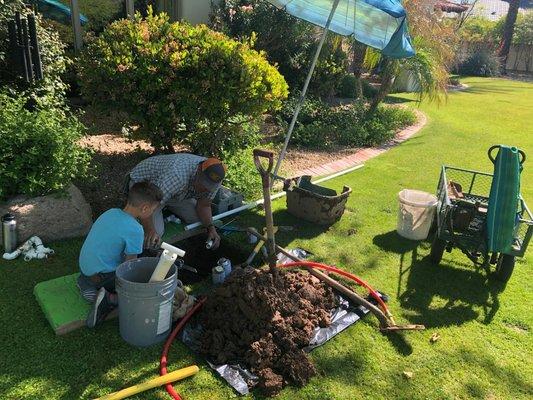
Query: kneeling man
[(189, 183)]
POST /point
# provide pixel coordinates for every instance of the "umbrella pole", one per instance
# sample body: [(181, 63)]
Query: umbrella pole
[(304, 91)]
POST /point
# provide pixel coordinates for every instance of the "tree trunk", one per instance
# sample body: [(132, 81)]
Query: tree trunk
[(508, 30), (387, 79), (359, 51)]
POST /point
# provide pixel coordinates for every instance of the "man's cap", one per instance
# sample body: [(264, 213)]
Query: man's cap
[(212, 172)]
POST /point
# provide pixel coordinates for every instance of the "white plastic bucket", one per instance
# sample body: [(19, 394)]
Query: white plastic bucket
[(415, 214)]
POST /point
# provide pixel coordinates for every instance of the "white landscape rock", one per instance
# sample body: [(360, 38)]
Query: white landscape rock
[(52, 217)]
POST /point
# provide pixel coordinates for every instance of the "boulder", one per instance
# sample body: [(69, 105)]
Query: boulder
[(52, 217)]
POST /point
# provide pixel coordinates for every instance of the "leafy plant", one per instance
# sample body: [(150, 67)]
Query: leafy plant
[(325, 127), (40, 152), (348, 87), (481, 62), (179, 84), (242, 175), (50, 91), (434, 42), (288, 42), (479, 30), (99, 14)]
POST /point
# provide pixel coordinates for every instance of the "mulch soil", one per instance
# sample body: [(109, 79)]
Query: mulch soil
[(264, 323)]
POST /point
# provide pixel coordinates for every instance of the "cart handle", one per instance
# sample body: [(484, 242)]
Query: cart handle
[(269, 155), (493, 159)]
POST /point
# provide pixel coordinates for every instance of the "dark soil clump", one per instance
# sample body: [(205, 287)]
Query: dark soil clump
[(264, 323)]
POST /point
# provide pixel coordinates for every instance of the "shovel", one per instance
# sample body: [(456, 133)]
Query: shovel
[(265, 177)]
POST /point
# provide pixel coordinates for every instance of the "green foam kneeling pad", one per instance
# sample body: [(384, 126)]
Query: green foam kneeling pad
[(62, 304)]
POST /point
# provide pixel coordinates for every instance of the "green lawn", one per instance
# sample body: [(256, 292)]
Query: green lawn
[(485, 333)]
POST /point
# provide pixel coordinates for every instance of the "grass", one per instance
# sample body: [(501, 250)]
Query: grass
[(485, 349)]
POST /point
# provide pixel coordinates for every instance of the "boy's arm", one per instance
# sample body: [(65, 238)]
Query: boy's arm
[(151, 237)]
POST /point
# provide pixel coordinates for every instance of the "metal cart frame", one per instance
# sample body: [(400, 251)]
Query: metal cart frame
[(471, 240)]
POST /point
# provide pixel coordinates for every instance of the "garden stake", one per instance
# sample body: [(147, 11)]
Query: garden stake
[(265, 177)]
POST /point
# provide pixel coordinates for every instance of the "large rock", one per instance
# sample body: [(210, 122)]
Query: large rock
[(52, 217)]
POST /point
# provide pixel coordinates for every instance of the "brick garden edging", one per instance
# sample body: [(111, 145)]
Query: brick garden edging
[(366, 153)]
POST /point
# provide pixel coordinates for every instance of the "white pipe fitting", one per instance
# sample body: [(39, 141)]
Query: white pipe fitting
[(31, 248)]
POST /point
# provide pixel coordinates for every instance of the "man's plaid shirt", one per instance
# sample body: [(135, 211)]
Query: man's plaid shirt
[(174, 174)]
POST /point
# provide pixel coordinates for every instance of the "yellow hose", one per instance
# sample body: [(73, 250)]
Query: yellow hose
[(152, 383)]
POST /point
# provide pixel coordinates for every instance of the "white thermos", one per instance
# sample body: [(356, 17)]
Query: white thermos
[(9, 233)]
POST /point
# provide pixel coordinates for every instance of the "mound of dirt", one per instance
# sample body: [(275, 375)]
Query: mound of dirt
[(264, 323)]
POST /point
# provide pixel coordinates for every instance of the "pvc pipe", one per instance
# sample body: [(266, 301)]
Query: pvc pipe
[(173, 249), (31, 248), (167, 258), (152, 383), (273, 197), (336, 174)]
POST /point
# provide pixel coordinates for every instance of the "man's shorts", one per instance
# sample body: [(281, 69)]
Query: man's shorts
[(89, 285)]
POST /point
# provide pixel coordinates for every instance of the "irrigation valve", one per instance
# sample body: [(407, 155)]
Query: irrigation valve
[(168, 257)]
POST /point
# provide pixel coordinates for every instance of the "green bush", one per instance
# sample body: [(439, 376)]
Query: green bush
[(50, 91), (481, 62), (349, 125), (288, 42), (40, 152), (310, 111), (179, 84), (242, 175), (348, 87), (99, 13)]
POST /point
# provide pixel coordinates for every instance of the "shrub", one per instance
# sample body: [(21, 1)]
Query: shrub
[(348, 87), (481, 62), (51, 90), (310, 111), (178, 83), (288, 42), (39, 153), (242, 175), (351, 125), (99, 14)]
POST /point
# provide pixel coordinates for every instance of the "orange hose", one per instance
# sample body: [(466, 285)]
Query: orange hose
[(163, 362), (359, 281)]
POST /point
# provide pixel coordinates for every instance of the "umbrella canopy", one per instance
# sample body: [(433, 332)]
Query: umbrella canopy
[(380, 24)]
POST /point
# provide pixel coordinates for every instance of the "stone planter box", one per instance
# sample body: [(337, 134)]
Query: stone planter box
[(52, 217)]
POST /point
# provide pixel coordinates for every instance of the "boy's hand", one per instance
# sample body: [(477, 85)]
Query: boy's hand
[(212, 234), (151, 239)]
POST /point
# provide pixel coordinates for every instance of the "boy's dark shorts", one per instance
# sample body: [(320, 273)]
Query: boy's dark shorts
[(89, 285)]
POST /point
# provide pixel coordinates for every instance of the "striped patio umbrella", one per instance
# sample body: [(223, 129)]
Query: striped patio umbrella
[(380, 24)]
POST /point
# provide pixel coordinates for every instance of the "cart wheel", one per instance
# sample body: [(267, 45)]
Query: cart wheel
[(437, 249), (504, 268)]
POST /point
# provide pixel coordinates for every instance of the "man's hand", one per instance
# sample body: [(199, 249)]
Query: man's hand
[(151, 239), (212, 234)]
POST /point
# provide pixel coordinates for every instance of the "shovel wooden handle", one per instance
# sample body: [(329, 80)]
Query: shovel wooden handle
[(269, 155)]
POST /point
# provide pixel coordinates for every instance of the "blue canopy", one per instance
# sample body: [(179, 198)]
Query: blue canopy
[(57, 11), (380, 24)]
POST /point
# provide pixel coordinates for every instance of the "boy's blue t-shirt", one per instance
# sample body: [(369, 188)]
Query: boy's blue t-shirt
[(114, 234)]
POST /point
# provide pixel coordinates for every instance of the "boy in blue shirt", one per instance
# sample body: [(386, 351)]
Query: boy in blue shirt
[(116, 236)]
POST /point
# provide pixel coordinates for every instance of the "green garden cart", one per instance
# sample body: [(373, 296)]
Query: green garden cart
[(461, 219)]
